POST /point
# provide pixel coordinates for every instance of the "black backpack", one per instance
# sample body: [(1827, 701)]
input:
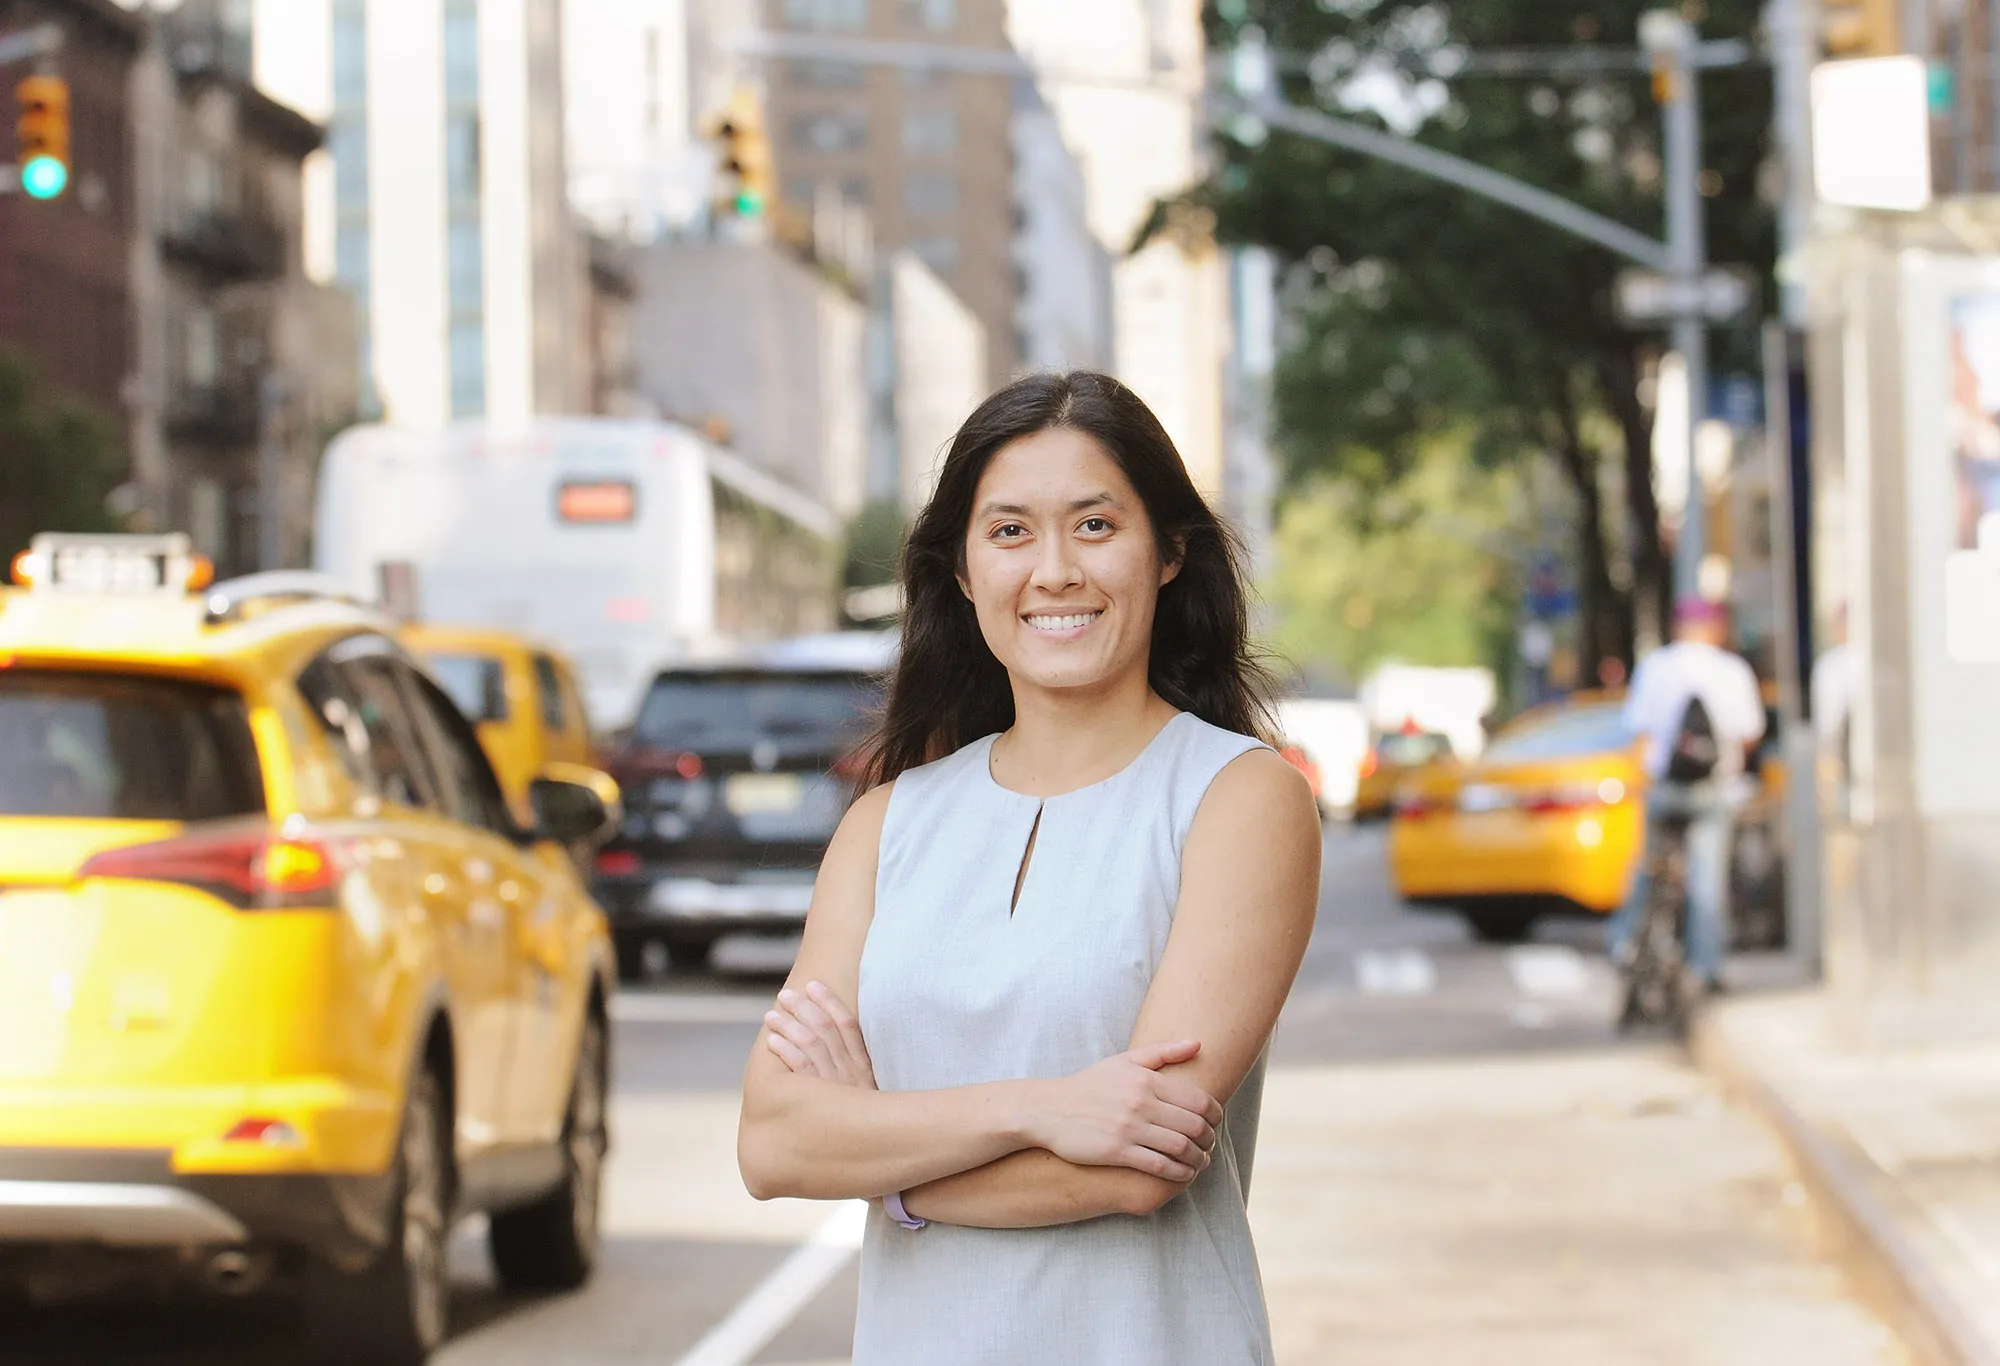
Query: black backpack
[(1695, 751)]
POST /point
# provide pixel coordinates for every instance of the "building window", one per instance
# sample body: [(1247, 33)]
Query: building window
[(830, 132), (350, 54), (461, 51), (930, 132), (466, 264), (468, 368), (931, 192), (204, 348), (829, 75), (826, 16), (461, 156), (937, 15), (939, 253)]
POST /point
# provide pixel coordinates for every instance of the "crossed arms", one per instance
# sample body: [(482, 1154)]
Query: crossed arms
[(1123, 1136)]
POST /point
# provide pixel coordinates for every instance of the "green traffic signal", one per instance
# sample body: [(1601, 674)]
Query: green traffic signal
[(43, 177), (749, 204)]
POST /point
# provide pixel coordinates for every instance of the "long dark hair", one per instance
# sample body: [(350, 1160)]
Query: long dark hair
[(948, 689)]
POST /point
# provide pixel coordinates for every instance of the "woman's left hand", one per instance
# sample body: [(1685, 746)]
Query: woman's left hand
[(814, 1031)]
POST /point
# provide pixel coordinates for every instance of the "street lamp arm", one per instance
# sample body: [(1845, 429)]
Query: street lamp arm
[(1467, 175)]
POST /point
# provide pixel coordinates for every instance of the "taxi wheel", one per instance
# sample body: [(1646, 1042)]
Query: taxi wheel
[(552, 1244), (395, 1313), (1500, 927)]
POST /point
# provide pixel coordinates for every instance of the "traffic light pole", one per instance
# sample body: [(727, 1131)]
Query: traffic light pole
[(39, 42), (1687, 250)]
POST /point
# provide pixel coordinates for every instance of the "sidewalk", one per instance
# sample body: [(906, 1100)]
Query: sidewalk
[(1900, 1150)]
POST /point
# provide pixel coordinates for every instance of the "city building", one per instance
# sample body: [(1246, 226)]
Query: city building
[(1063, 312), (928, 153), (241, 366), (444, 210), (610, 363), (762, 350), (1125, 80), (931, 370), (65, 299)]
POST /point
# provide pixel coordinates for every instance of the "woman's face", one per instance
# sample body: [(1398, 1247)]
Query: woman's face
[(1061, 564)]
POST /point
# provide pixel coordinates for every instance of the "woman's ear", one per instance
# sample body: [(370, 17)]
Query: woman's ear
[(964, 586), (1170, 567)]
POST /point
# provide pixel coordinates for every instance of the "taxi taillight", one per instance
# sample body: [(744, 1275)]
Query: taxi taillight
[(1410, 806), (253, 870)]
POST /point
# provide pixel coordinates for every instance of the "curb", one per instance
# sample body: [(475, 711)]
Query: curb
[(1860, 1211)]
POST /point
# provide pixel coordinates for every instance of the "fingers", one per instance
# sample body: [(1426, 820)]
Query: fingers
[(1155, 1163), (843, 1020), (1184, 1122), (789, 1053), (805, 1038), (1154, 1056), (1185, 1094)]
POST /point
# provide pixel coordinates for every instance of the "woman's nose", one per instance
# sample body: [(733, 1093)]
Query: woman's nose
[(1057, 566)]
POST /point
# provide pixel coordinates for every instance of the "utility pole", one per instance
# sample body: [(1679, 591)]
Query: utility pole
[(1671, 41)]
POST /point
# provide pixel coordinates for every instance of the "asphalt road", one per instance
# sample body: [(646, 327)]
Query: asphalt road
[(1459, 1161)]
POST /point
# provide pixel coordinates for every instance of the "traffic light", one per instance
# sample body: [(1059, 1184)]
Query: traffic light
[(1858, 28), (42, 135), (743, 157)]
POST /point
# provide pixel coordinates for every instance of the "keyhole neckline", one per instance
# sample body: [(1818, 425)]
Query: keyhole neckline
[(985, 766)]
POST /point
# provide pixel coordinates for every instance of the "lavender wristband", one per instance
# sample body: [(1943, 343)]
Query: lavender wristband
[(893, 1202)]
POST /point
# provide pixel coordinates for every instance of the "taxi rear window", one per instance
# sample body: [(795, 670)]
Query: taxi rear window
[(103, 747), (474, 682)]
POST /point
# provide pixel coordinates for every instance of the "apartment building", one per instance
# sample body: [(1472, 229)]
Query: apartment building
[(928, 153)]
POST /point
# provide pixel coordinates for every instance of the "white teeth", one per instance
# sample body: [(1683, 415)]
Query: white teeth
[(1068, 623)]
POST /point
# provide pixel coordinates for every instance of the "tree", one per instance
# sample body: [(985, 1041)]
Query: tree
[(1412, 570), (1420, 307), (58, 461)]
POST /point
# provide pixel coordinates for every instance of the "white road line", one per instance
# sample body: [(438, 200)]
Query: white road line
[(1548, 971), (1396, 972), (778, 1300), (652, 1008)]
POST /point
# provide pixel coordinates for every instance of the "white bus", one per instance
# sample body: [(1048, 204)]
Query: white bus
[(625, 544)]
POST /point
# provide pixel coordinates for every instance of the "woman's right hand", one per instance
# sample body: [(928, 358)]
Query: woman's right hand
[(1124, 1112)]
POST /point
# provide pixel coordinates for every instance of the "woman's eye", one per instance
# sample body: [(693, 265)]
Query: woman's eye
[(1096, 525), (1010, 530)]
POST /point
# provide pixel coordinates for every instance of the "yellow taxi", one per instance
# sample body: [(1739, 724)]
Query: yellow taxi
[(284, 986), (1551, 817), (1391, 759), (522, 698)]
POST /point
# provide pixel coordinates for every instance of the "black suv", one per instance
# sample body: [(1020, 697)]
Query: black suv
[(734, 779)]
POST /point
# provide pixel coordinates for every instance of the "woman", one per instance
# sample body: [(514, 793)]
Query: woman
[(1067, 914)]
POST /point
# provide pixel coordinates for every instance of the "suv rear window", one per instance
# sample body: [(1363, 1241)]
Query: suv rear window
[(735, 711), (97, 746), (474, 682)]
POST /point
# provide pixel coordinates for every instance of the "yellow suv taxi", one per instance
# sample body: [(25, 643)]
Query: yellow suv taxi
[(284, 986), (521, 697)]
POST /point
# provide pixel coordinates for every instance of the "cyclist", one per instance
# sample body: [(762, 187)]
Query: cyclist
[(1699, 710)]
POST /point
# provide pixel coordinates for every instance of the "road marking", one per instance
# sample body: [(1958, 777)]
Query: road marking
[(664, 1008), (1396, 972), (777, 1301), (1548, 970)]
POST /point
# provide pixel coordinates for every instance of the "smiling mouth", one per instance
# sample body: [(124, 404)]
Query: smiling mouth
[(1068, 621)]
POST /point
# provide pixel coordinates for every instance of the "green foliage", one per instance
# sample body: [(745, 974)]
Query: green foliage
[(1415, 571), (58, 461), (1416, 308)]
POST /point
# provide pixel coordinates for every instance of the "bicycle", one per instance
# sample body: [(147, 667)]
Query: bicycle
[(1660, 988)]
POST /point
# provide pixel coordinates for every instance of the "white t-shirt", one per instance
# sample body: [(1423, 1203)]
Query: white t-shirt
[(1668, 677)]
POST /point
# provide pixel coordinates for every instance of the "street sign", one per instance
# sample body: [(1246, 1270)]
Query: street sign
[(1647, 298)]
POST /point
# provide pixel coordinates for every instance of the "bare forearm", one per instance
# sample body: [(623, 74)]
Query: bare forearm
[(814, 1139), (1035, 1189)]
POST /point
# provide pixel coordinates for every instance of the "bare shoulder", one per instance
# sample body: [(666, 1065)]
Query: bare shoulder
[(1260, 780), (1258, 808)]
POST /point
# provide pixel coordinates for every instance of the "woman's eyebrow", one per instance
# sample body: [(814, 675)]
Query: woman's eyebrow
[(1017, 510)]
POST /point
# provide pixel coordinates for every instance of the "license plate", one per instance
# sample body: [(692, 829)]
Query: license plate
[(1479, 798), (763, 794)]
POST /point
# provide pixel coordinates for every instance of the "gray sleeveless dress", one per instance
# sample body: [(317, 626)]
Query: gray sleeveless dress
[(955, 990)]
